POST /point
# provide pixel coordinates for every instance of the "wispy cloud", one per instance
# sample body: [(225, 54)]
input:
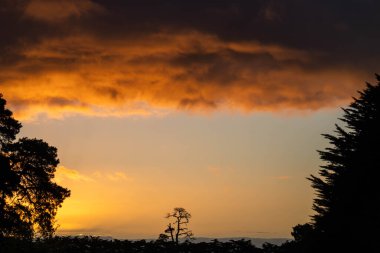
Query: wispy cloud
[(216, 171), (118, 176), (65, 174), (284, 177)]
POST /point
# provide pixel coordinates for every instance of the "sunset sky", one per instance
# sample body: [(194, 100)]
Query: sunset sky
[(216, 106)]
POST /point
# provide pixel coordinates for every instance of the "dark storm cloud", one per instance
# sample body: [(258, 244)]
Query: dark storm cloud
[(122, 57)]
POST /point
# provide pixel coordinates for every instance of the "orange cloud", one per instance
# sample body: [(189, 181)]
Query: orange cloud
[(64, 173), (215, 171), (163, 72), (283, 177), (118, 176)]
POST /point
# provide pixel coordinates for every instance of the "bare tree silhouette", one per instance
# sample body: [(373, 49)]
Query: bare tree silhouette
[(178, 227)]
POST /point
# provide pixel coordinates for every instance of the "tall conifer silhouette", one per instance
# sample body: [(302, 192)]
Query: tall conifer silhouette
[(348, 185)]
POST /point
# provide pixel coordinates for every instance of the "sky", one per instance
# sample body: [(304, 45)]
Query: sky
[(214, 106)]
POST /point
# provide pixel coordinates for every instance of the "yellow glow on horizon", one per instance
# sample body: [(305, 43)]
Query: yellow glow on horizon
[(133, 207)]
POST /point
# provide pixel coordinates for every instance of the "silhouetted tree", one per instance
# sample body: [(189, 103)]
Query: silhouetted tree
[(178, 228), (347, 189), (28, 197)]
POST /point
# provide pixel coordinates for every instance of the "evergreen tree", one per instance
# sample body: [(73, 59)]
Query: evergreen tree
[(347, 202), (29, 199)]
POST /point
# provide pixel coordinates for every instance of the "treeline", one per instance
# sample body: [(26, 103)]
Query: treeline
[(59, 244)]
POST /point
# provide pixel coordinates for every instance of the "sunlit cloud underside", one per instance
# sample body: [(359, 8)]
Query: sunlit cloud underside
[(68, 67)]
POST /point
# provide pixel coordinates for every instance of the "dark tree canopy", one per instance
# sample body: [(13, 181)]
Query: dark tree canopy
[(29, 199), (9, 127), (348, 185)]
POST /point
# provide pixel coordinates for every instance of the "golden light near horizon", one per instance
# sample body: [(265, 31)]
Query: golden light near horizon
[(216, 167)]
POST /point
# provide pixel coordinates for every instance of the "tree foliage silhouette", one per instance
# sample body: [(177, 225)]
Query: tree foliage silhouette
[(29, 199), (97, 245), (347, 188), (177, 229)]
